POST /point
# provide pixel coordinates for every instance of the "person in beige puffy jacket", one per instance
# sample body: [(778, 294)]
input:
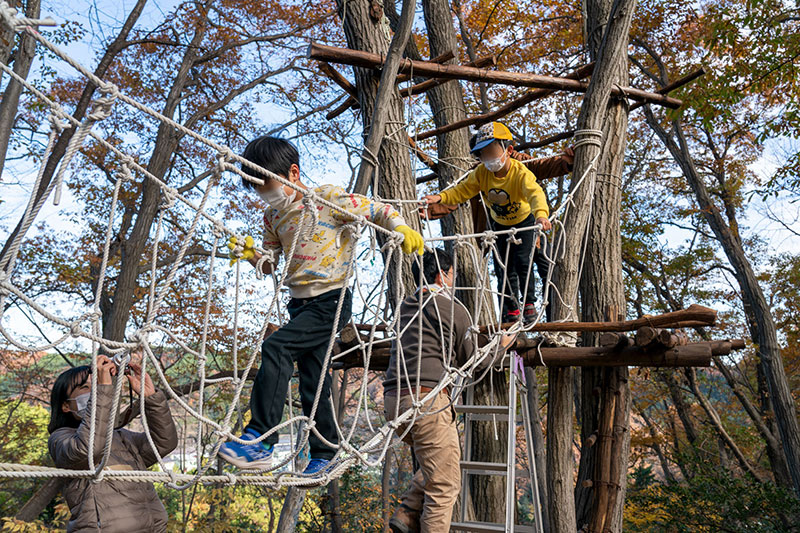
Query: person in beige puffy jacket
[(110, 505)]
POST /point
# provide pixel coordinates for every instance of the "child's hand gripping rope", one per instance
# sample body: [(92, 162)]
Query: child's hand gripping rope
[(238, 251), (412, 240)]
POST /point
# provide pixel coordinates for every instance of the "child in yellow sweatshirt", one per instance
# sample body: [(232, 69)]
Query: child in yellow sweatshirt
[(515, 200)]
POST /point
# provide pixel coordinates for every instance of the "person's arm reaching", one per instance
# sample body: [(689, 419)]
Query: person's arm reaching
[(461, 192), (535, 195), (379, 213)]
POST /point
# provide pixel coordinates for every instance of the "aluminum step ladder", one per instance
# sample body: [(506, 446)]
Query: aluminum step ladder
[(473, 413)]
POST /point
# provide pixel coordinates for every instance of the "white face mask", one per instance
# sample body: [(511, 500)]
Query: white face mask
[(496, 164), (82, 404), (278, 198)]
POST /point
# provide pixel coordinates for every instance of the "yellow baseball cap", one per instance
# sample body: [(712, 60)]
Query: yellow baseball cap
[(488, 133)]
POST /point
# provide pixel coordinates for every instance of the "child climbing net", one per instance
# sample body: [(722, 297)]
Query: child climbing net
[(351, 449)]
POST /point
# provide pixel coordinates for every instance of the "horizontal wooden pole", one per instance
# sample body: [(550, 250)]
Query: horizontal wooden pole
[(696, 354), (693, 316), (677, 84), (510, 107), (352, 99), (419, 88), (362, 59)]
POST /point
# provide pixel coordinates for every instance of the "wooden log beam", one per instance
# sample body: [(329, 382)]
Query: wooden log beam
[(694, 354), (362, 59), (502, 111), (696, 315), (427, 85), (677, 84), (350, 89), (693, 316)]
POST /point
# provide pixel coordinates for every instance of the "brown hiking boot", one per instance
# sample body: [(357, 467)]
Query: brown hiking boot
[(404, 520)]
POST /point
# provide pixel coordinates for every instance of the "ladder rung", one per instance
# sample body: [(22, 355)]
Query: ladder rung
[(489, 418), (499, 468), (483, 409), (486, 527)]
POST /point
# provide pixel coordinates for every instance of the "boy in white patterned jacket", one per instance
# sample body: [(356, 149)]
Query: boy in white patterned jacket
[(316, 275)]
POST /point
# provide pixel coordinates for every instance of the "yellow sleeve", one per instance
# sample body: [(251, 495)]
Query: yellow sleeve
[(534, 193), (463, 191)]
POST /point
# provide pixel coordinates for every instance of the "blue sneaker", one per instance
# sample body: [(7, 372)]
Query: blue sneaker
[(250, 456), (315, 466)]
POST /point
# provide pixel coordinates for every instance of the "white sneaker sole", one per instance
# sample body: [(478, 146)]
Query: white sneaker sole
[(244, 464)]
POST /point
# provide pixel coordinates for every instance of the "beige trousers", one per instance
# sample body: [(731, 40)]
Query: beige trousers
[(434, 439)]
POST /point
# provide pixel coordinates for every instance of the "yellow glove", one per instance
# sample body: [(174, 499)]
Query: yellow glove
[(247, 250), (412, 240)]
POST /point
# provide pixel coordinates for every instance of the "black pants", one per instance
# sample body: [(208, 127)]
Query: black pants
[(541, 258), (511, 284), (303, 339)]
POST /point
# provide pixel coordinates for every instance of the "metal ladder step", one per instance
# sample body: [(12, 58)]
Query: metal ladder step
[(489, 469), (486, 413), (479, 467), (487, 527), (482, 409)]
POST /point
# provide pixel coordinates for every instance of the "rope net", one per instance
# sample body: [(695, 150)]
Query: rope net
[(371, 301)]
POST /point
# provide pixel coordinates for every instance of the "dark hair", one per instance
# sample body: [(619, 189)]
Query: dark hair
[(432, 263), (274, 154), (67, 382)]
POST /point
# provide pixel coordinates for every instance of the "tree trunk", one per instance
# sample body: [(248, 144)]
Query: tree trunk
[(538, 444), (760, 322), (6, 38), (363, 31), (376, 129), (447, 106), (40, 499), (166, 143), (23, 58), (774, 451), (602, 287), (290, 512), (560, 401), (716, 423), (60, 146)]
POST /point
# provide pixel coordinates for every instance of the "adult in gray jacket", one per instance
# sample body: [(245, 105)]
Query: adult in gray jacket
[(110, 505), (434, 334)]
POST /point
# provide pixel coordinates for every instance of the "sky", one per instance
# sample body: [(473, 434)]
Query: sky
[(97, 18)]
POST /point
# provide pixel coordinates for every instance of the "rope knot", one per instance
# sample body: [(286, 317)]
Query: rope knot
[(488, 239), (170, 194), (310, 209), (102, 105)]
